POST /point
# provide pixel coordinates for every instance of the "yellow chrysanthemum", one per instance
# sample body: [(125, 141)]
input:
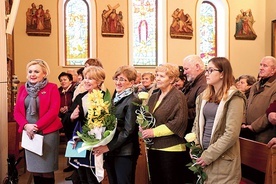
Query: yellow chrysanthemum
[(97, 110)]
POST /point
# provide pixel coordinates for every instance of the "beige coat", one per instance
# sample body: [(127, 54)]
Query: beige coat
[(223, 154), (258, 102)]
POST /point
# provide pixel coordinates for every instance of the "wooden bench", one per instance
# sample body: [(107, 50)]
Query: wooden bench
[(259, 157)]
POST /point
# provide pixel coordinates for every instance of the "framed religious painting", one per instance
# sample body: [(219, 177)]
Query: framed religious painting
[(244, 26), (273, 38), (38, 21), (181, 26), (112, 22)]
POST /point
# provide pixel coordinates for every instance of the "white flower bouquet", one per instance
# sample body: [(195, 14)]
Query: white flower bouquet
[(144, 118), (100, 126), (195, 152)]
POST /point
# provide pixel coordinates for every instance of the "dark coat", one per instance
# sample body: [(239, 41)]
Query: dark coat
[(68, 125), (125, 141), (191, 91)]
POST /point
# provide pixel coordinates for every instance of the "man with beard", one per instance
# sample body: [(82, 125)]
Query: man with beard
[(194, 70)]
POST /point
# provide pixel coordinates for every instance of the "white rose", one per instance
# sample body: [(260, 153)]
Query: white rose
[(190, 137), (143, 95)]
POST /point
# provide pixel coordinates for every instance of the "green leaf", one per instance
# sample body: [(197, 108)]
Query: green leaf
[(194, 169), (146, 108), (134, 103), (107, 96), (189, 144), (106, 133), (189, 164), (204, 176)]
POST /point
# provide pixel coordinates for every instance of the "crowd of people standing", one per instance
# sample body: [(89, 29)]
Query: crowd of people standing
[(205, 100)]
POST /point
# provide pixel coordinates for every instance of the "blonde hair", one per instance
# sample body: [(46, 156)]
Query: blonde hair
[(152, 77), (44, 65), (95, 72), (171, 70)]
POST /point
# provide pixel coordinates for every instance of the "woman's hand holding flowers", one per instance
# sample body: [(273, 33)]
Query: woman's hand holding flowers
[(147, 133), (100, 150), (145, 119), (201, 162), (197, 163)]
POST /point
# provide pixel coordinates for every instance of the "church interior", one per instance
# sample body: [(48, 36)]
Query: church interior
[(20, 46)]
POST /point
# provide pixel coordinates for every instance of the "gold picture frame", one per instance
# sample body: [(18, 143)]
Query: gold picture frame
[(181, 26), (273, 38), (112, 22), (38, 21), (244, 26)]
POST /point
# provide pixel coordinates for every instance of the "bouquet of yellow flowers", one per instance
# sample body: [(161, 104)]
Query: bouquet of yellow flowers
[(195, 152), (100, 126), (144, 118)]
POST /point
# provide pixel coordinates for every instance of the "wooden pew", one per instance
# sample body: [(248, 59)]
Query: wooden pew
[(258, 156)]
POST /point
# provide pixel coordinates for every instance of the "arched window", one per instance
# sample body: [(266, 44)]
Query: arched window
[(146, 39), (208, 29), (76, 33), (213, 40)]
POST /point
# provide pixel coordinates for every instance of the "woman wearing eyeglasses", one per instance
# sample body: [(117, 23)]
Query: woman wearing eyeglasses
[(36, 112), (219, 114), (123, 151)]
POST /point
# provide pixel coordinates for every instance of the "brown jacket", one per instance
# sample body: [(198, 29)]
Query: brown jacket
[(172, 112), (258, 102)]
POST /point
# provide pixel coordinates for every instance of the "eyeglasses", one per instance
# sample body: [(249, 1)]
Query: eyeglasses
[(119, 80), (211, 70)]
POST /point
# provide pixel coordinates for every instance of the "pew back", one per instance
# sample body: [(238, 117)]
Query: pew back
[(258, 156)]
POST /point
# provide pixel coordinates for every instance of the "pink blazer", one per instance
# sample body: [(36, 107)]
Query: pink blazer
[(49, 102)]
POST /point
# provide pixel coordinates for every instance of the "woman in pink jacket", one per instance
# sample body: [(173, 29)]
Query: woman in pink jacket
[(36, 112)]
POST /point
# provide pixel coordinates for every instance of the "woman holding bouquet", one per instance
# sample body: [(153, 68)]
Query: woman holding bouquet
[(219, 114), (36, 112), (123, 151), (166, 156), (76, 117)]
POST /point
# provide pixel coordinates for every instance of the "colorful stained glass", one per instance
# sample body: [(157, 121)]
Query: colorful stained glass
[(76, 32), (144, 23), (208, 45)]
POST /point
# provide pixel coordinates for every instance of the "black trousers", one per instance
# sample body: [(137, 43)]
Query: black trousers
[(121, 169), (166, 167), (86, 176)]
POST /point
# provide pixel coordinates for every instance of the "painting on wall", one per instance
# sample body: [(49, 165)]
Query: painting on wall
[(244, 26), (273, 38), (181, 26), (38, 21), (112, 22)]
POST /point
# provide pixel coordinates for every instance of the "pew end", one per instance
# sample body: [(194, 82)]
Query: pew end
[(258, 156)]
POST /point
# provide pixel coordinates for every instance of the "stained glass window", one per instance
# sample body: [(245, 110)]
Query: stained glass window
[(144, 26), (76, 32), (208, 25)]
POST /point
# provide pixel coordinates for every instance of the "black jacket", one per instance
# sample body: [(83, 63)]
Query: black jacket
[(125, 141)]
